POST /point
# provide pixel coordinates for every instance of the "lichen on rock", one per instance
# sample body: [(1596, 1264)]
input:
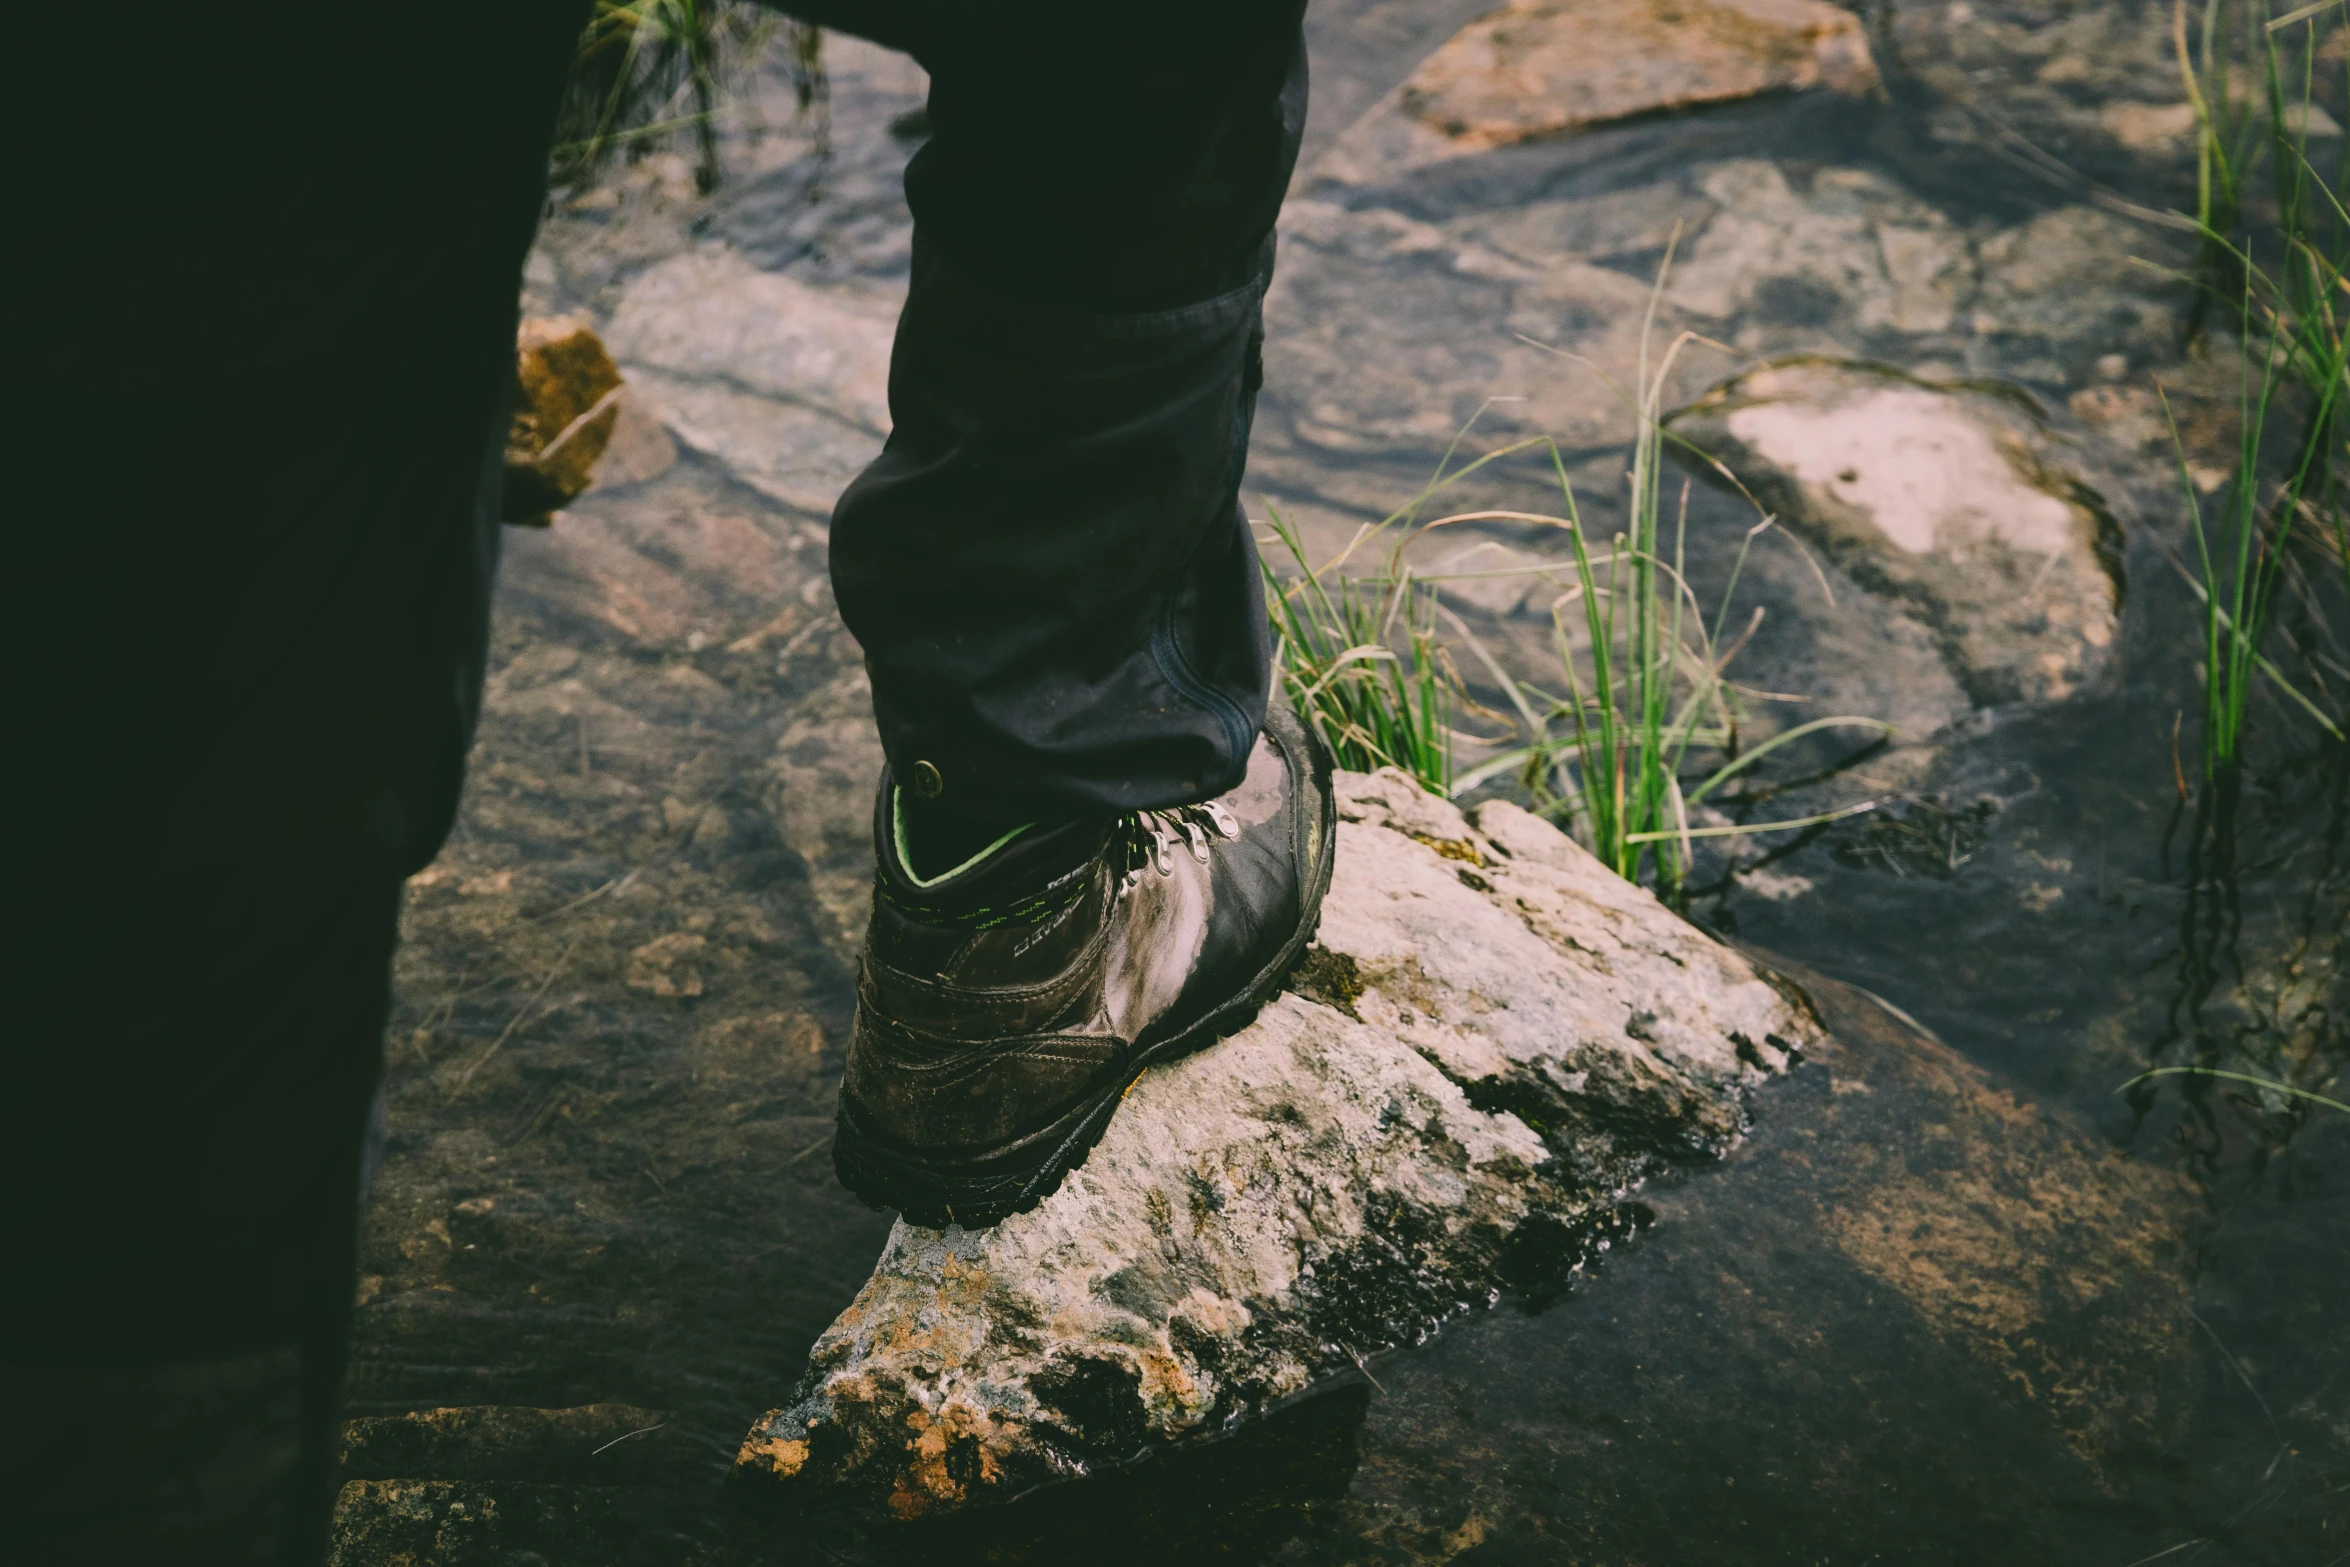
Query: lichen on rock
[(1493, 1041)]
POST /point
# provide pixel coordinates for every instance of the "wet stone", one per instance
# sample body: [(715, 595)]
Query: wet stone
[(566, 402), (594, 1443), (1954, 499), (1846, 250), (783, 380), (1505, 1035), (1544, 67), (448, 1523), (1928, 1310), (823, 773), (2094, 88)]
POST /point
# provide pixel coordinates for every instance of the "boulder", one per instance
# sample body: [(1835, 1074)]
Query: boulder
[(1545, 67), (1953, 498), (1494, 1041)]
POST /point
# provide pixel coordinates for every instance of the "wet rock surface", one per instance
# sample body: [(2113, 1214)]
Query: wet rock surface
[(1493, 1042), (608, 1444), (1512, 286), (785, 383), (1957, 499), (1929, 1312), (2063, 95), (1924, 1307)]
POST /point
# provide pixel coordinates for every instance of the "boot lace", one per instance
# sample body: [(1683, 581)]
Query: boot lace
[(1151, 837)]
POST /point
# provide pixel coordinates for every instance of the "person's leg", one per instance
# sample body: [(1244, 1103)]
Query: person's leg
[(270, 308), (1106, 851), (173, 1330), (1048, 567)]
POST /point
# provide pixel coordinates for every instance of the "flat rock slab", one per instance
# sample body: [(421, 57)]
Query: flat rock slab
[(1544, 67), (784, 381), (1955, 499), (1493, 1042)]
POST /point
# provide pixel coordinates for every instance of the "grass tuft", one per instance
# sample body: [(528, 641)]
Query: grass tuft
[(2273, 257), (649, 69), (1359, 659), (1643, 695)]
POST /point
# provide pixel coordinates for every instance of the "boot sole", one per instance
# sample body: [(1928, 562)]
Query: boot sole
[(978, 1193)]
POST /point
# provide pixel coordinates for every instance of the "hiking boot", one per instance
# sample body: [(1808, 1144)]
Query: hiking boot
[(1004, 1007)]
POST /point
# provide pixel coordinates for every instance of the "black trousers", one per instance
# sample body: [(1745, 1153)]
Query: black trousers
[(1048, 568), (259, 309)]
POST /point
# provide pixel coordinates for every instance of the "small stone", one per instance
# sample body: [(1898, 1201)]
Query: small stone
[(784, 381), (567, 399), (2310, 120), (666, 966), (2148, 127)]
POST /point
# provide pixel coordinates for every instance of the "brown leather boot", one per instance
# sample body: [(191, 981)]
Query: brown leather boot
[(1004, 1007)]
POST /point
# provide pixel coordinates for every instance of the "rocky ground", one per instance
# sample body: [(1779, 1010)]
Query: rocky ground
[(605, 1236)]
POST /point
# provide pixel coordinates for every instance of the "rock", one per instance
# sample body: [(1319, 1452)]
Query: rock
[(2036, 1251), (641, 447), (669, 966), (2092, 87), (785, 382), (1499, 580), (1902, 1251), (567, 395), (1544, 67), (1494, 1040), (1848, 251), (606, 1444), (2147, 127), (2072, 285), (1954, 499), (449, 1523)]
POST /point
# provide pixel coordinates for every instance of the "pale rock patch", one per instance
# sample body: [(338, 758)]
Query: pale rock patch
[(1954, 499)]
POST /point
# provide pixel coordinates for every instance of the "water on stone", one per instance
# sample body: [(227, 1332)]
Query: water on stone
[(625, 988)]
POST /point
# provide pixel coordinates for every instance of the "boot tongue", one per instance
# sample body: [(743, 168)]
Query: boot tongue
[(1021, 862)]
